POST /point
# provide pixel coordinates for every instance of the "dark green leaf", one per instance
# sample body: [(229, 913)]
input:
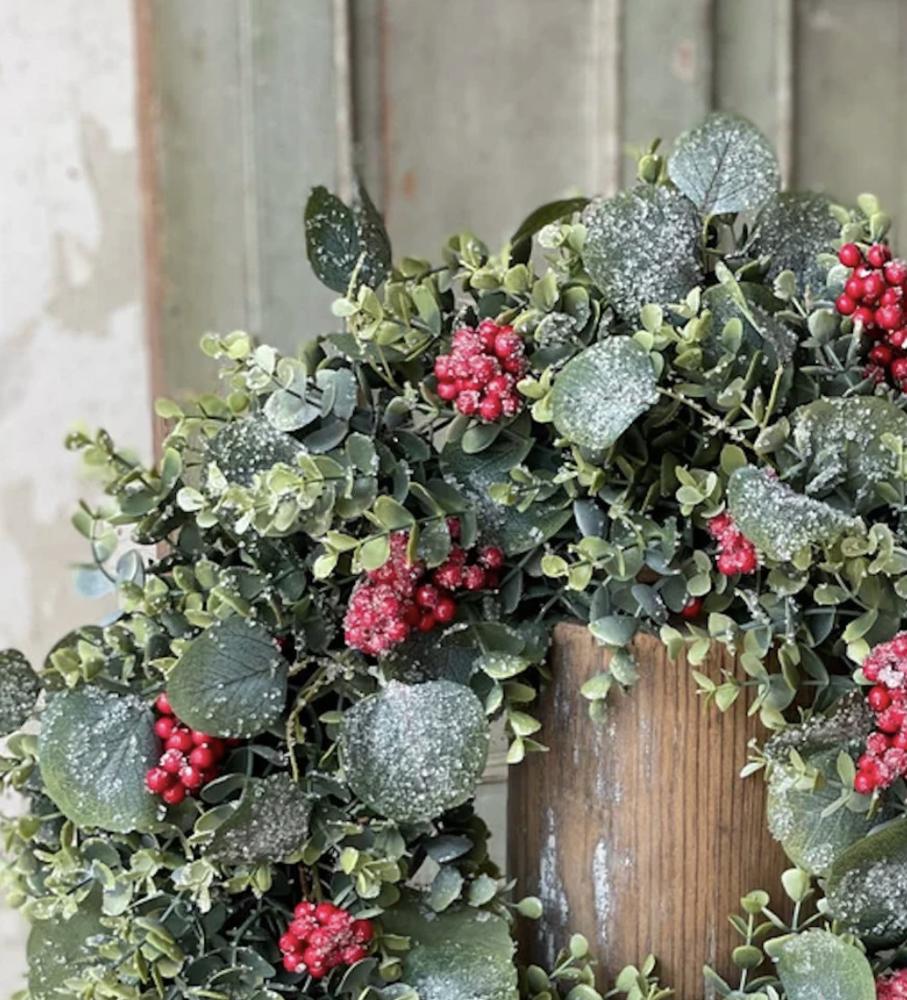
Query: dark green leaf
[(793, 228), (544, 215), (19, 690), (59, 950), (243, 448)]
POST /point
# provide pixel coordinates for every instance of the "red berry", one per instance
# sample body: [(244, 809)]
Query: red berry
[(324, 911), (864, 317), (427, 596), (202, 758), (445, 609), (427, 622), (362, 930), (845, 304), (881, 355), (180, 739), (447, 391), (692, 609), (174, 794), (889, 317), (490, 408), (199, 738), (353, 954), (854, 288), (162, 704), (158, 780), (191, 777), (171, 761), (898, 338), (891, 297), (849, 255), (473, 577), (468, 402), (879, 699), (507, 343), (899, 370), (293, 962), (873, 286), (877, 255), (896, 272), (164, 726), (863, 783), (492, 557)]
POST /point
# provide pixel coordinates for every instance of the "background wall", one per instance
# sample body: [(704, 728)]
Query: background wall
[(71, 322)]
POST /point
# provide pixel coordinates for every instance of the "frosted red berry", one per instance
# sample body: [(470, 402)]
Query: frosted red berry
[(892, 985), (692, 609), (157, 780), (877, 255), (849, 255), (188, 761), (324, 937), (736, 553), (174, 794), (845, 304), (884, 759), (164, 727)]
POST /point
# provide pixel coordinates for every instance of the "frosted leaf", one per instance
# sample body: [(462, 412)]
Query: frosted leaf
[(602, 391), (411, 752), (641, 246), (762, 331), (867, 886), (230, 680), (845, 730), (546, 214), (818, 965), (451, 656), (724, 165), (839, 441), (810, 839), (461, 954), (243, 448), (778, 520), (288, 409), (59, 949), (95, 749), (271, 822), (19, 690), (515, 531), (793, 228)]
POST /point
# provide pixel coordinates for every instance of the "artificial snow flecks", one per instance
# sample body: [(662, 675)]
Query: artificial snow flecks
[(244, 448), (846, 729), (601, 886), (818, 965), (556, 914), (778, 520), (602, 391), (812, 833), (271, 821), (724, 165), (839, 442), (641, 246), (230, 680), (451, 655), (19, 690), (867, 886), (793, 228), (95, 749), (411, 752), (762, 330), (59, 950)]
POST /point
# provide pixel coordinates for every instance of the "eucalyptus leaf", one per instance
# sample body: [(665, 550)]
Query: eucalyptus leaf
[(59, 950), (412, 752), (818, 965), (602, 391), (230, 680), (19, 690), (243, 448), (793, 228)]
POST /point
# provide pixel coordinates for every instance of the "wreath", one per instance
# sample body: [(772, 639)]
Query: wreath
[(678, 410)]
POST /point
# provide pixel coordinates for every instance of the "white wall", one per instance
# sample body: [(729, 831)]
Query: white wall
[(71, 336)]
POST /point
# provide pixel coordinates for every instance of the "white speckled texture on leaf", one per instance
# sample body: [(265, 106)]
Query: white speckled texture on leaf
[(817, 965), (245, 447), (19, 690)]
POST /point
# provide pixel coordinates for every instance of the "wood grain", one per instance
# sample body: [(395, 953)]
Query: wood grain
[(639, 833)]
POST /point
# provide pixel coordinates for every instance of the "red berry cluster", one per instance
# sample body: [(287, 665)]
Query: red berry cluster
[(873, 298), (892, 986), (322, 937), (189, 760), (391, 601), (480, 374), (885, 757), (736, 553)]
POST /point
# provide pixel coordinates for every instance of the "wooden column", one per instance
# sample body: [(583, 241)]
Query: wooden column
[(639, 833)]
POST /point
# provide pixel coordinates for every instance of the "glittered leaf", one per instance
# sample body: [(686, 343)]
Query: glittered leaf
[(230, 680), (793, 228), (412, 752), (19, 690), (818, 965), (602, 391), (811, 838), (514, 530), (845, 729), (762, 330), (641, 246), (95, 749), (724, 165), (462, 953), (289, 410), (867, 886), (451, 656), (249, 446), (270, 822), (778, 520), (58, 950)]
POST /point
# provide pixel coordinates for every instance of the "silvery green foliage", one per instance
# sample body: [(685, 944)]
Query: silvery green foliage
[(95, 749), (19, 690), (288, 409), (724, 165), (641, 246), (602, 391), (270, 822), (778, 520), (793, 228), (762, 330), (461, 954), (811, 837), (818, 965), (516, 531), (839, 442), (230, 680), (411, 752), (845, 729), (244, 448), (58, 950), (451, 656), (867, 886)]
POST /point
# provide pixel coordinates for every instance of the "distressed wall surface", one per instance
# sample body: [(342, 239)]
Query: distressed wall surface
[(71, 322)]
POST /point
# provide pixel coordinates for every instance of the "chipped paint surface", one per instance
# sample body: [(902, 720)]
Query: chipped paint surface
[(70, 308)]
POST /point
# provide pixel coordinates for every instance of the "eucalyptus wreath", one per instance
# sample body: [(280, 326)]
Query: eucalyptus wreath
[(676, 410)]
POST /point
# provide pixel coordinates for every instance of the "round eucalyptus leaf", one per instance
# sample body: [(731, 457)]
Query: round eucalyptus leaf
[(462, 952), (818, 965), (19, 690), (724, 165), (244, 448), (778, 520), (412, 752), (867, 886), (641, 247), (451, 655), (230, 680), (95, 749), (602, 391), (58, 950)]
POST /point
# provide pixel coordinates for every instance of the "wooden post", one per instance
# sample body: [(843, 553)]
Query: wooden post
[(639, 833)]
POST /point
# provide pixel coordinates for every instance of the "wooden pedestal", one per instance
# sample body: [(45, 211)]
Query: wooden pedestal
[(639, 832)]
